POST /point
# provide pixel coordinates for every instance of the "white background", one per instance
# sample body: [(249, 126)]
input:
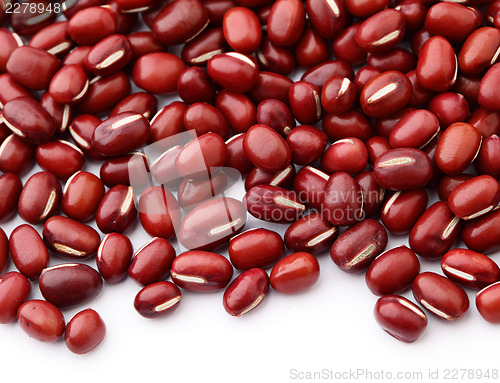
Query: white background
[(329, 327)]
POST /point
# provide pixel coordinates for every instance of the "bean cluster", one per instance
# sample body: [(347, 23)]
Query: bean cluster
[(343, 156)]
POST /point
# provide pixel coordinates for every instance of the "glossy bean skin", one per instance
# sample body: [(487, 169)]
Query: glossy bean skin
[(117, 210), (4, 250), (311, 233), (84, 332), (16, 155), (286, 22), (386, 94), (70, 238), (403, 169), (306, 143), (104, 93), (90, 25), (158, 72), (211, 224), (474, 197), (469, 268), (274, 156), (255, 248), (242, 30), (233, 71), (376, 146), (201, 271), (142, 43), (487, 303), (26, 118), (69, 284), (342, 200), (69, 85), (305, 102), (270, 85), (10, 41), (109, 55), (487, 162), (311, 49), (11, 186), (152, 262), (246, 292), (449, 107), (400, 318), (485, 121), (159, 212), (479, 51), (202, 157), (328, 18), (203, 47), (457, 148), (25, 61), (382, 31), (157, 299), (180, 21), (401, 211), (164, 170), (82, 195), (168, 121), (352, 123), (414, 130), (194, 85), (113, 257), (481, 234), (276, 115), (41, 320), (322, 72), (283, 178), (54, 39), (40, 198), (204, 118), (109, 137), (373, 194), (448, 183), (392, 271), (193, 192), (295, 273), (51, 154), (338, 94), (437, 65), (488, 89), (435, 231), (309, 184), (273, 204), (440, 296), (236, 157), (28, 252), (11, 89), (238, 110), (455, 22), (346, 48), (347, 155), (15, 289), (359, 245), (398, 59)]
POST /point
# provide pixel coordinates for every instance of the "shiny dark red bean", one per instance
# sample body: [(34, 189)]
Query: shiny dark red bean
[(482, 234), (109, 55), (236, 157), (311, 49), (440, 296), (346, 48), (274, 58), (238, 110), (41, 320), (90, 25), (305, 102), (54, 39), (489, 93), (273, 204), (322, 72), (307, 144), (347, 155), (201, 271), (435, 231), (26, 118), (152, 262), (382, 31), (157, 299), (52, 154), (338, 94), (16, 155), (9, 42), (437, 65), (403, 169), (343, 200), (204, 118), (11, 89), (242, 29), (142, 43), (359, 245), (211, 224), (11, 187), (328, 18), (233, 71), (194, 85), (479, 51), (113, 257), (309, 184), (180, 21), (117, 211), (295, 273), (402, 210), (487, 161), (469, 268), (311, 233), (457, 148), (70, 284), (276, 115), (414, 130), (168, 121), (419, 95), (373, 194), (376, 146), (84, 332), (203, 47), (352, 123), (448, 183), (40, 198), (449, 107), (386, 94), (193, 192), (485, 121), (270, 85), (69, 85), (455, 22), (15, 289), (246, 292), (32, 67), (140, 102), (400, 318), (286, 22), (398, 59), (365, 8), (260, 248), (488, 302), (28, 252), (164, 170), (392, 271)]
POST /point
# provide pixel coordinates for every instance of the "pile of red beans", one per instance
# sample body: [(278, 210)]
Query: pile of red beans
[(343, 156)]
